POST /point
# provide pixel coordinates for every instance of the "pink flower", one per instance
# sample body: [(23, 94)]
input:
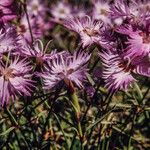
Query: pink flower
[(39, 22), (36, 7), (38, 51), (8, 40), (66, 67), (60, 11), (117, 70), (15, 80), (87, 28), (138, 41), (130, 11), (24, 31), (101, 11)]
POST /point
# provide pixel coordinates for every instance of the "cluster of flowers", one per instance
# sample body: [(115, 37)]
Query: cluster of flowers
[(120, 29)]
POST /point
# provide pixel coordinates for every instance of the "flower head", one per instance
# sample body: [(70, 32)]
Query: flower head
[(60, 11), (138, 41), (36, 7), (101, 11), (66, 67), (38, 51), (130, 11), (117, 70), (8, 39), (24, 31), (87, 27), (15, 80)]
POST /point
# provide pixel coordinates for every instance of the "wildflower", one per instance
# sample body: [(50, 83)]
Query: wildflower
[(24, 30), (117, 70), (8, 39), (39, 24), (138, 41), (15, 80), (86, 27), (132, 11), (66, 67), (38, 51), (101, 11), (36, 7), (60, 11)]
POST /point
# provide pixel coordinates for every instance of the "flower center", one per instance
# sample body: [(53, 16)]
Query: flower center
[(35, 7), (146, 37), (22, 29), (65, 73), (8, 73), (126, 66), (62, 11), (90, 31), (39, 61), (103, 12), (70, 71)]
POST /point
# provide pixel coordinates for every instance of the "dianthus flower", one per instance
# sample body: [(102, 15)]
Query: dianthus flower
[(117, 70), (8, 40), (24, 31), (87, 28), (15, 80), (138, 41), (130, 11), (36, 7), (66, 67), (60, 11), (101, 11), (38, 51)]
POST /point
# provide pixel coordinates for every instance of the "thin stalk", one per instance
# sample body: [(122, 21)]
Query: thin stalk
[(77, 112), (28, 20), (62, 130), (12, 117)]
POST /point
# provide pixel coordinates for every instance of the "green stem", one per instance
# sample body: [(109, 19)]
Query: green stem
[(12, 117), (75, 101), (62, 130)]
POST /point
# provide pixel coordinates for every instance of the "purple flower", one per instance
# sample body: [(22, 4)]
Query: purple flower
[(24, 31), (66, 67), (132, 11), (8, 39), (36, 7), (101, 11), (60, 11), (39, 22), (38, 51), (87, 27), (117, 70), (138, 41), (15, 80)]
